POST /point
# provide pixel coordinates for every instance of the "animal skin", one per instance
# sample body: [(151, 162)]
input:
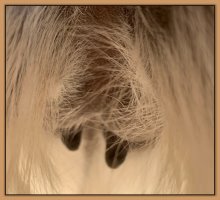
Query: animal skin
[(110, 99)]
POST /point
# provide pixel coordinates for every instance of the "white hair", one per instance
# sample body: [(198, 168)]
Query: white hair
[(145, 73)]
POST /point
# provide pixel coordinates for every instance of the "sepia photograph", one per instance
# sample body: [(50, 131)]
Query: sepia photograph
[(110, 99)]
